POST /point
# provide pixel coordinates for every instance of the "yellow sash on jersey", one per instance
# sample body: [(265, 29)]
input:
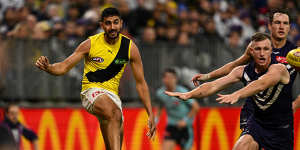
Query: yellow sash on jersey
[(105, 64)]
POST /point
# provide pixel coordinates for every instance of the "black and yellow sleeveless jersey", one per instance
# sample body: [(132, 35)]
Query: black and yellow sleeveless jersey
[(105, 63)]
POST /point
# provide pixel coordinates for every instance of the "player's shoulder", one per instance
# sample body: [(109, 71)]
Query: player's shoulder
[(96, 36), (279, 67), (125, 36)]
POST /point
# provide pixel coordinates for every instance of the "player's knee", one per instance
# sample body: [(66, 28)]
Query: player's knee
[(240, 146), (254, 145), (117, 114), (114, 114), (243, 143)]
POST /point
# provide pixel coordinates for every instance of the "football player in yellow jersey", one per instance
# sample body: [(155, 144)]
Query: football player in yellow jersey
[(106, 55)]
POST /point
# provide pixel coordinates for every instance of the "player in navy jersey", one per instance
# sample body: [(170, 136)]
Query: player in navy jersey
[(267, 87), (279, 27)]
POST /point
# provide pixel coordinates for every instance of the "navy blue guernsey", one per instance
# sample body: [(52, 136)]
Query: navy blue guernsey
[(279, 55), (273, 106)]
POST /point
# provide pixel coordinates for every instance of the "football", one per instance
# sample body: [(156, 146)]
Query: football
[(293, 58)]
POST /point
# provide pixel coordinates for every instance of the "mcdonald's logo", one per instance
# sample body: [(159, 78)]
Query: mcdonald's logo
[(214, 120), (48, 126), (76, 122), (75, 129), (139, 132)]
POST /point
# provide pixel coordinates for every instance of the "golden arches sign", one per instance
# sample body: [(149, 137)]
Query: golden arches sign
[(48, 123), (76, 122), (140, 126), (214, 120)]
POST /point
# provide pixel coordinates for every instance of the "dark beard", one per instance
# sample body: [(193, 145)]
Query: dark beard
[(112, 38)]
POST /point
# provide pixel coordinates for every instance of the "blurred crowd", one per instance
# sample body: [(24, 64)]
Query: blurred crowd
[(177, 21), (197, 35)]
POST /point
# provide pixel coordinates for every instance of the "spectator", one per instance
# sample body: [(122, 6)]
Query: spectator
[(149, 35), (194, 28), (138, 18), (193, 15), (171, 10), (5, 4), (91, 15), (183, 39), (53, 12), (183, 14), (172, 33), (9, 21), (224, 20), (72, 13), (205, 6), (21, 31), (210, 46), (15, 128), (234, 44), (247, 27), (272, 4), (185, 27), (42, 30), (31, 21), (161, 31), (58, 30), (23, 12)]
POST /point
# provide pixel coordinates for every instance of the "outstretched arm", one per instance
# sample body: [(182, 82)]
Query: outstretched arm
[(276, 73), (226, 69), (210, 88), (141, 85), (63, 67)]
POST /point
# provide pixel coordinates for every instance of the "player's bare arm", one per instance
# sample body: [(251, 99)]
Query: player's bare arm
[(141, 86), (226, 69), (210, 88), (63, 67), (276, 73)]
